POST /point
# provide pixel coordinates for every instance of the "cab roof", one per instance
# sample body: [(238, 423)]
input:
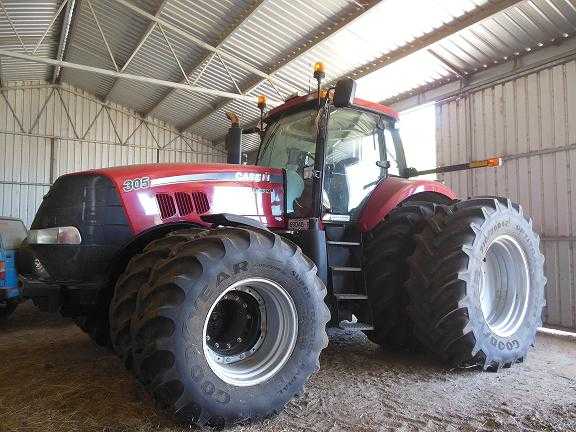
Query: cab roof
[(298, 101)]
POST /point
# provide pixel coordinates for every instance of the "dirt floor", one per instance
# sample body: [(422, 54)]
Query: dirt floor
[(53, 378)]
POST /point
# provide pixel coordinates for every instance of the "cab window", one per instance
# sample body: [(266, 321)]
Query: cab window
[(354, 146)]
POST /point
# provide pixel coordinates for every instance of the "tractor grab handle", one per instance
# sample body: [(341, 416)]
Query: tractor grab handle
[(485, 163)]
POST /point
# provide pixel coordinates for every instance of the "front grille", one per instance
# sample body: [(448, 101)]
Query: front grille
[(184, 203), (166, 204), (200, 202)]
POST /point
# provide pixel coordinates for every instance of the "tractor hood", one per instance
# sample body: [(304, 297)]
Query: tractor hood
[(157, 194)]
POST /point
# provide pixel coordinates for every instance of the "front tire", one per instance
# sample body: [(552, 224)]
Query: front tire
[(477, 284), (230, 328), (136, 274)]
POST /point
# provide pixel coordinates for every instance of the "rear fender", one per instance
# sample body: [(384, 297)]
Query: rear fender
[(393, 191)]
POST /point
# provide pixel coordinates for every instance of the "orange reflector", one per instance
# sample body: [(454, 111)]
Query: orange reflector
[(262, 99), (319, 67), (492, 162)]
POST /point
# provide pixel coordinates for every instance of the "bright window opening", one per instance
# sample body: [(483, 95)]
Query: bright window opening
[(418, 131)]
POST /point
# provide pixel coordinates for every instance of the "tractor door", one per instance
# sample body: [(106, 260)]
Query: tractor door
[(359, 153)]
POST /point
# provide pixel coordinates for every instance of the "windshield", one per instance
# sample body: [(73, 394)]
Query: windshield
[(290, 143), (358, 146)]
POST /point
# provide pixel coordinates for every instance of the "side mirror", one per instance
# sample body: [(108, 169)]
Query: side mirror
[(344, 93)]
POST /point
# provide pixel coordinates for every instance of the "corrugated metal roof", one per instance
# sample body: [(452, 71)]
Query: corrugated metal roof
[(518, 30), (279, 37), (30, 19)]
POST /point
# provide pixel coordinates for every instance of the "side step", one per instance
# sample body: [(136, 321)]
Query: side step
[(346, 269), (351, 296), (356, 326), (342, 243)]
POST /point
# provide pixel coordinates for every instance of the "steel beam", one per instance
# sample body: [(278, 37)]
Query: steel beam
[(519, 66), (427, 40), (139, 45), (140, 78), (229, 57), (64, 33), (201, 66), (50, 26), (11, 23), (294, 53)]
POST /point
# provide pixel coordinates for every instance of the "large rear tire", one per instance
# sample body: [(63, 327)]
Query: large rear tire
[(477, 284), (388, 247), (229, 328), (135, 276)]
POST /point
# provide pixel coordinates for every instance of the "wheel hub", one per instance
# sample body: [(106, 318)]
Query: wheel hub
[(250, 331), (236, 326), (505, 286)]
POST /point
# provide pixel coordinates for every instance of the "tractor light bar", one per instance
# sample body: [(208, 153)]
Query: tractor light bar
[(492, 162), (485, 163), (57, 235)]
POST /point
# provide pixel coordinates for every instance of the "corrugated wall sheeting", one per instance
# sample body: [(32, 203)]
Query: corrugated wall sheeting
[(47, 131), (531, 122)]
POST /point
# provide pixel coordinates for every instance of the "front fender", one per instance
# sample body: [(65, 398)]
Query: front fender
[(392, 192)]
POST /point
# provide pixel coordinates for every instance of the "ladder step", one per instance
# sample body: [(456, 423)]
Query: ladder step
[(346, 269), (342, 243), (344, 325), (351, 296)]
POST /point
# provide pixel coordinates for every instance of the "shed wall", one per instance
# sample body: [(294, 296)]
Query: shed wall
[(531, 122), (47, 131)]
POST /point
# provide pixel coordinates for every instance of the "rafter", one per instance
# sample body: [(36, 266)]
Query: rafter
[(427, 40), (294, 53), (225, 55), (64, 33), (139, 45), (114, 74), (201, 66), (97, 21), (52, 21), (13, 27), (421, 43)]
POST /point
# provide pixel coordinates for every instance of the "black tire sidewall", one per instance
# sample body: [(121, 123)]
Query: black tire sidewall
[(505, 221), (205, 388)]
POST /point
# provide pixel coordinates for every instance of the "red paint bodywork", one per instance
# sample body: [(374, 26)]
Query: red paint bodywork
[(246, 190), (262, 200), (360, 103), (241, 194), (391, 192)]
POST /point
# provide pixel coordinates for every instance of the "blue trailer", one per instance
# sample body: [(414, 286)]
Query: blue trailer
[(12, 233)]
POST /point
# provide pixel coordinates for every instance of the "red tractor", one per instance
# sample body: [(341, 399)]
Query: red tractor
[(215, 283)]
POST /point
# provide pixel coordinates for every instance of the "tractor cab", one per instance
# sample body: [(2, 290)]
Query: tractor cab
[(343, 151), (335, 150)]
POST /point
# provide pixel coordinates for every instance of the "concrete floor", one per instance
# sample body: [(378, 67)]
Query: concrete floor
[(52, 378)]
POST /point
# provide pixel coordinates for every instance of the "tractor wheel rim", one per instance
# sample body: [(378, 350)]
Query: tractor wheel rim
[(505, 286), (250, 332)]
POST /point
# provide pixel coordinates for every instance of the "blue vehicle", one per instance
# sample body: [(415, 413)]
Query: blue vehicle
[(12, 233)]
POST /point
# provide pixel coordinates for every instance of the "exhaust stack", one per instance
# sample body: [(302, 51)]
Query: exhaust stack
[(234, 140)]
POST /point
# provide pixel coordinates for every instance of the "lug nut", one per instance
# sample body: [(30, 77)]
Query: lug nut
[(239, 339), (207, 337), (228, 346), (217, 345)]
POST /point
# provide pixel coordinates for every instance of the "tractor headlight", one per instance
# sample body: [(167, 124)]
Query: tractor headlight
[(56, 235)]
